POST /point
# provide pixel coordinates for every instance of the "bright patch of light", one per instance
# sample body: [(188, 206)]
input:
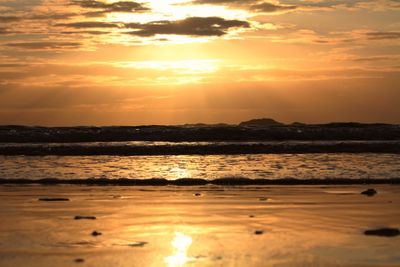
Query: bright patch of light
[(177, 10), (180, 245), (179, 66)]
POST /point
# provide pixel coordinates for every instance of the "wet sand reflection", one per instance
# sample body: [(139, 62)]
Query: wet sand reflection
[(180, 245)]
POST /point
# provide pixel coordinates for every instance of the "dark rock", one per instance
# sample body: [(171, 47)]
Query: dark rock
[(296, 123), (251, 216), (95, 233), (78, 217), (54, 199), (79, 260), (385, 232), (258, 232), (197, 194), (261, 122), (369, 192)]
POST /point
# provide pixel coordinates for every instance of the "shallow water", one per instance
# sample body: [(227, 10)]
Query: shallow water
[(268, 166)]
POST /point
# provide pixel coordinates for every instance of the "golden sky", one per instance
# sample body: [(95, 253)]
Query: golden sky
[(98, 62)]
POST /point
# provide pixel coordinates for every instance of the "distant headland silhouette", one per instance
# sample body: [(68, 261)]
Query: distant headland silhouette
[(252, 130)]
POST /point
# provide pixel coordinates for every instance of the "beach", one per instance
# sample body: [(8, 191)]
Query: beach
[(210, 133), (303, 225), (253, 203)]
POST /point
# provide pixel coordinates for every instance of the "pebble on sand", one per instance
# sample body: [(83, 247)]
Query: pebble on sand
[(197, 194), (263, 199), (369, 192), (53, 199), (95, 233), (258, 232), (79, 260), (386, 232), (79, 217)]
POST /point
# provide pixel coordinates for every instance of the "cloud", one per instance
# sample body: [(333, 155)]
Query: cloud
[(85, 32), (20, 5), (373, 58), (192, 26), (382, 35), (45, 45), (325, 3), (223, 2), (39, 16), (253, 5), (50, 16), (102, 8), (89, 24), (298, 5), (361, 37), (395, 3), (270, 8), (3, 31), (6, 19), (11, 65)]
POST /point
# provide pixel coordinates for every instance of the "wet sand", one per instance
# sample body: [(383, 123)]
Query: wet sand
[(198, 225)]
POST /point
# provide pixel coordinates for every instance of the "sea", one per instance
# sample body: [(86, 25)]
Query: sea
[(268, 166)]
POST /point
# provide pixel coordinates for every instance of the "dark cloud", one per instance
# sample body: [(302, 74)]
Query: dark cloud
[(89, 24), (20, 5), (223, 2), (255, 5), (44, 16), (270, 8), (383, 35), (85, 32), (46, 45), (11, 65), (284, 5), (3, 31), (7, 31), (102, 8), (6, 19), (194, 26), (325, 4), (372, 59), (51, 16)]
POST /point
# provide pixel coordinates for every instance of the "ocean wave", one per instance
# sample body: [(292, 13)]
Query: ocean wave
[(333, 131), (127, 149)]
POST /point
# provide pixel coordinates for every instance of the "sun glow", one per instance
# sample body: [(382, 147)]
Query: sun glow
[(176, 10), (178, 66), (180, 245), (171, 11)]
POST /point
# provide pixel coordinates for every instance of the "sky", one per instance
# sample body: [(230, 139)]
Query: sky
[(103, 62)]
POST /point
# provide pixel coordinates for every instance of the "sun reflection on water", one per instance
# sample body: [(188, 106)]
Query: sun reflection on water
[(180, 245)]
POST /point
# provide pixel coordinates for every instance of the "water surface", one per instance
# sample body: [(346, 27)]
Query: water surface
[(267, 166)]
